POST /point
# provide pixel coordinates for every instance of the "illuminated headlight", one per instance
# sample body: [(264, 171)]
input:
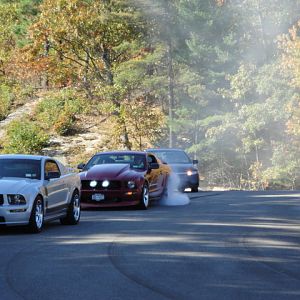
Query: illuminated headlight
[(16, 199), (93, 183), (131, 184), (105, 183), (191, 172)]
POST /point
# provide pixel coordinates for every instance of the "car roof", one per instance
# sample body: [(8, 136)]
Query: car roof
[(24, 156), (121, 152), (164, 149)]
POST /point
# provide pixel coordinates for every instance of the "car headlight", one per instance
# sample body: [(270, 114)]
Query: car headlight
[(131, 184), (191, 172), (16, 199), (93, 183), (105, 183)]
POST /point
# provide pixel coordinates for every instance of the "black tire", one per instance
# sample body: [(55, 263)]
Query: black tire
[(194, 189), (73, 212), (144, 202), (36, 220), (165, 192)]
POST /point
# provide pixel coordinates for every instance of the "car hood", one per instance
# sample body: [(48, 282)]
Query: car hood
[(15, 186), (182, 168), (108, 171)]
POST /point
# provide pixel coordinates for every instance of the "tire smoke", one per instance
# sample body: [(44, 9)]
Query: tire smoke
[(173, 196)]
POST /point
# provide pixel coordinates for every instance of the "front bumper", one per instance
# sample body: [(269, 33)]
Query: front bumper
[(14, 215), (186, 181), (112, 198)]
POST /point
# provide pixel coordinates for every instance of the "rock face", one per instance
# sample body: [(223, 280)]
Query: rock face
[(83, 143), (25, 109)]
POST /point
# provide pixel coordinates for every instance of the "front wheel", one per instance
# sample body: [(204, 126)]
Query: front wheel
[(194, 189), (144, 204), (73, 213), (36, 220)]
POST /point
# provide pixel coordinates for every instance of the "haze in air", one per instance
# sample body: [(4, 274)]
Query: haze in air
[(217, 78), (234, 88)]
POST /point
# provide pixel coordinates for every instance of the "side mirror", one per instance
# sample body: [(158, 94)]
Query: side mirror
[(153, 166), (52, 175), (81, 166), (195, 161)]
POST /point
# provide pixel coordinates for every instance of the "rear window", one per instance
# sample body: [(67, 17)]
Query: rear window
[(173, 157)]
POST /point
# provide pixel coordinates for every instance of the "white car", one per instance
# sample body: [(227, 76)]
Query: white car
[(37, 189)]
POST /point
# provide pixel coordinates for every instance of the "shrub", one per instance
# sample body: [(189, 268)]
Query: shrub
[(5, 101), (64, 123), (25, 137), (57, 111)]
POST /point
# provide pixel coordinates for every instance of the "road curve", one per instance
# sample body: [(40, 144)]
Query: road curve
[(230, 245)]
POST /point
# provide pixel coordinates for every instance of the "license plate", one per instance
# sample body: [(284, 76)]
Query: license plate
[(97, 197)]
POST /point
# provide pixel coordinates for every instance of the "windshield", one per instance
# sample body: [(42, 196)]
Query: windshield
[(20, 168), (136, 161), (173, 157)]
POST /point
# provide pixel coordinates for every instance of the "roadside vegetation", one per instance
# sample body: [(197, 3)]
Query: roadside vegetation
[(25, 137), (218, 78), (57, 111)]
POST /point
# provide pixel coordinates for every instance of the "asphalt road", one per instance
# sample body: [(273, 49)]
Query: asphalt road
[(233, 245)]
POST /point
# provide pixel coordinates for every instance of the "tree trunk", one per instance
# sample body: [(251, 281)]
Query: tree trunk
[(85, 78), (45, 79), (124, 139), (262, 32), (171, 94)]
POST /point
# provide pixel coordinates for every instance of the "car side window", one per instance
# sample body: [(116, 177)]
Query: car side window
[(51, 167), (151, 159)]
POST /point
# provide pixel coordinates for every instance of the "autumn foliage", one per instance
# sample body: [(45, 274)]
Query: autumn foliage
[(218, 78)]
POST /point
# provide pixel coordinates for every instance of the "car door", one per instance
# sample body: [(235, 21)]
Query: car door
[(56, 188), (155, 177)]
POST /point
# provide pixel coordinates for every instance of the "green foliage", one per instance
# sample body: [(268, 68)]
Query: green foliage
[(8, 17), (213, 66), (24, 137), (5, 101), (285, 169), (57, 111), (144, 123)]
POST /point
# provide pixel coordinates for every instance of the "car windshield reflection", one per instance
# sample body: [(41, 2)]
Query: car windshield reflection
[(136, 161), (20, 168)]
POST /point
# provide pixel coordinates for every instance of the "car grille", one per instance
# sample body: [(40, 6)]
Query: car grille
[(1, 199), (2, 220), (113, 185)]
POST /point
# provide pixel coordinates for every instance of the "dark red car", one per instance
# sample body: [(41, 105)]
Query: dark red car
[(122, 178)]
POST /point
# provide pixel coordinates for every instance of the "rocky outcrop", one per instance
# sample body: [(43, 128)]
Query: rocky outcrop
[(87, 139), (20, 112)]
